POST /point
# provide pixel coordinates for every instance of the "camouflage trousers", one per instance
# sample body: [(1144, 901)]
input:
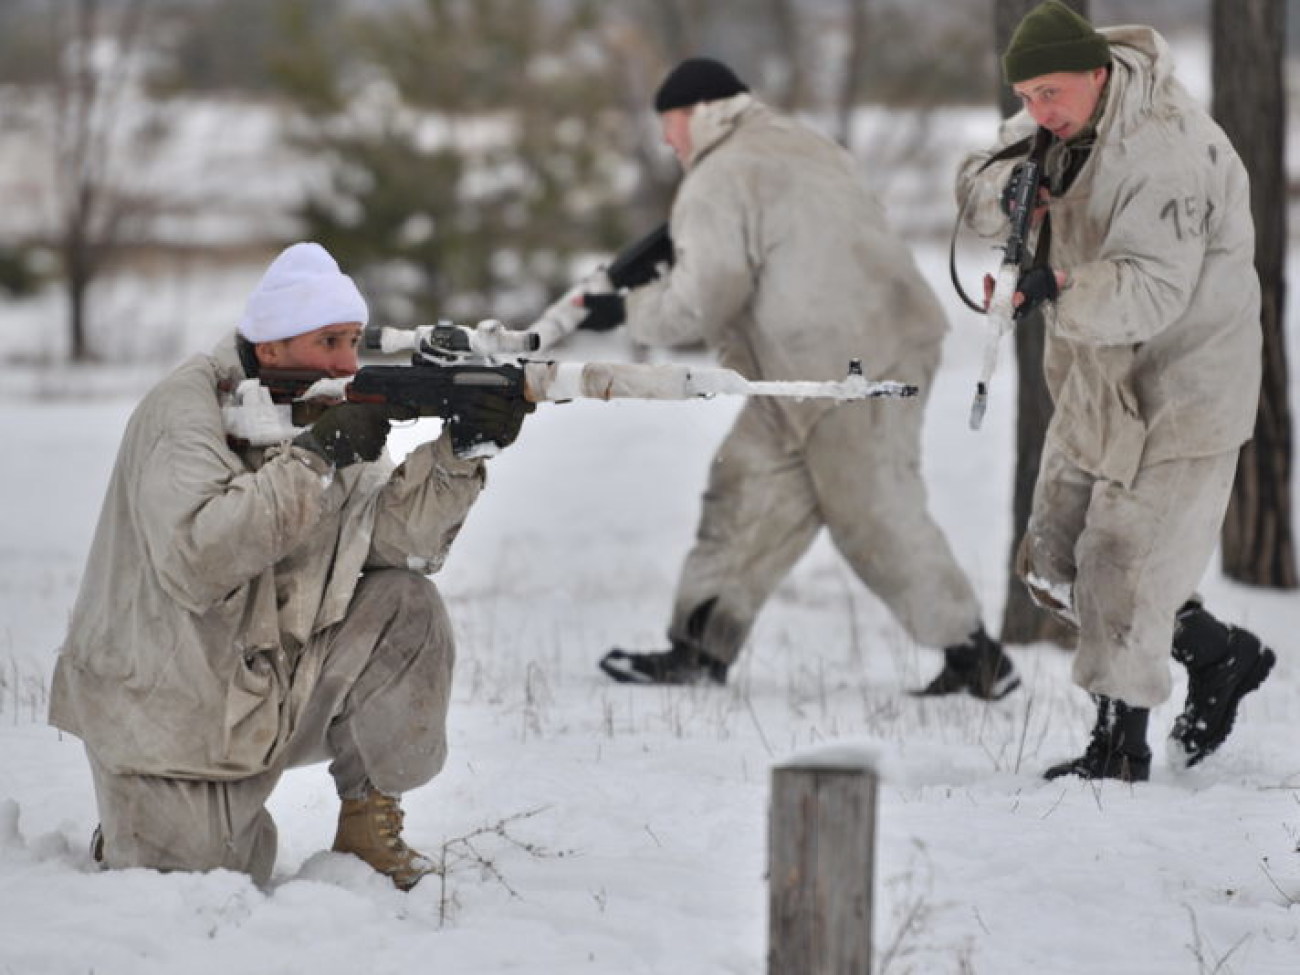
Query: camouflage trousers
[(1118, 562), (377, 713), (858, 475)]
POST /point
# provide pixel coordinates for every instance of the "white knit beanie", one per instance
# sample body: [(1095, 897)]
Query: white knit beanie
[(301, 291)]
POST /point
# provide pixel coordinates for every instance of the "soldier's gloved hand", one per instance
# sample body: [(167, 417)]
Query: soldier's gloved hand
[(486, 420), (1035, 286), (605, 310), (348, 433)]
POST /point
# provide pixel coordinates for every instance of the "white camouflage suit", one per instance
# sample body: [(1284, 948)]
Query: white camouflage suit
[(1152, 359), (243, 612), (785, 267)]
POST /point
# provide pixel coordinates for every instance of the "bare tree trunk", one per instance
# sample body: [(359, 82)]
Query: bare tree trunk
[(93, 212), (855, 61), (1022, 620), (77, 118), (77, 283), (1250, 104), (785, 25)]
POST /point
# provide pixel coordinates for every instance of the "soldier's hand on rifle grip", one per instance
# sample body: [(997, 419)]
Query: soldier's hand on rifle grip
[(604, 311), (1035, 286), (349, 433), (1011, 191), (486, 420)]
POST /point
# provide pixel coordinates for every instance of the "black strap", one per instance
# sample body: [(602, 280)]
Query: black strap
[(1013, 151)]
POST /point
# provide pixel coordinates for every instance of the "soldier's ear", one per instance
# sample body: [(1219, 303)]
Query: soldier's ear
[(270, 355)]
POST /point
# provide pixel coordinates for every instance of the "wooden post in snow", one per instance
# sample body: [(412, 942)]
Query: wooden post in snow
[(821, 863)]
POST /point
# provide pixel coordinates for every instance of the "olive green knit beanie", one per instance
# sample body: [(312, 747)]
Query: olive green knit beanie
[(1052, 38)]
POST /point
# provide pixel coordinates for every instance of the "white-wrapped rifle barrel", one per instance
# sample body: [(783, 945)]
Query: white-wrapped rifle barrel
[(561, 381), (545, 381)]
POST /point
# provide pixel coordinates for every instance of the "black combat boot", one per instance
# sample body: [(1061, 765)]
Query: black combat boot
[(979, 666), (679, 665), (1224, 663), (1117, 749)]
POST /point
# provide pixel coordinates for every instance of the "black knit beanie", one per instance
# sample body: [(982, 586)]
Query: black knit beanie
[(1053, 38), (697, 80)]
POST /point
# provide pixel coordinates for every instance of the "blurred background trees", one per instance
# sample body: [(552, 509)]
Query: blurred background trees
[(463, 158), (77, 64), (462, 175)]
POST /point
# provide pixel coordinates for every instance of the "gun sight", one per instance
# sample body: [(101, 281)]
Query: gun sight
[(446, 341)]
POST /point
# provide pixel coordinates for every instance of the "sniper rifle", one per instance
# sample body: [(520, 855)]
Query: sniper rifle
[(448, 362)]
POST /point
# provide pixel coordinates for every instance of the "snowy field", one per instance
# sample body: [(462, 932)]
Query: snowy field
[(588, 827)]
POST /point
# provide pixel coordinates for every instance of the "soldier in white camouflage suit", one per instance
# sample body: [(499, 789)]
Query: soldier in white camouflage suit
[(1153, 363), (785, 266), (246, 610)]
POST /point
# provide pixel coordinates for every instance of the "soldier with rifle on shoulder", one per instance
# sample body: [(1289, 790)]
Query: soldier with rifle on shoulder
[(247, 609), (1144, 267), (783, 264)]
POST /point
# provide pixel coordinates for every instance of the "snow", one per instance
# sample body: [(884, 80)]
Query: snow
[(591, 827)]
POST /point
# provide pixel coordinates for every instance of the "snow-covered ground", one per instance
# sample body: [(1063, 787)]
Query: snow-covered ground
[(589, 827)]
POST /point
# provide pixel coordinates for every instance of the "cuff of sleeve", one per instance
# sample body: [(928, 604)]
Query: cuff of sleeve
[(318, 474), (445, 459), (312, 459)]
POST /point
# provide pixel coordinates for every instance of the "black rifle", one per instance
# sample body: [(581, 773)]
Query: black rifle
[(633, 266), (1001, 311), (638, 263)]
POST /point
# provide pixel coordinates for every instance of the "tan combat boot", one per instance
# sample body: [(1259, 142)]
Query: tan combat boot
[(371, 828)]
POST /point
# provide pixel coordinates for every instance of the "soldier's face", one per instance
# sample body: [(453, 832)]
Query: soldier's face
[(676, 126), (1063, 102), (331, 350)]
